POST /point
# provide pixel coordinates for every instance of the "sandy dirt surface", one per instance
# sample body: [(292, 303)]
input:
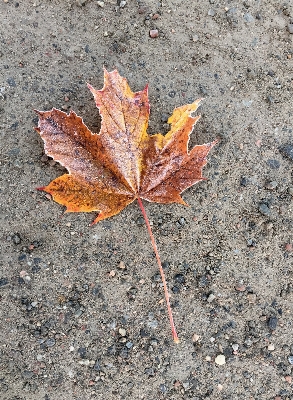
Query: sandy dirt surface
[(70, 329)]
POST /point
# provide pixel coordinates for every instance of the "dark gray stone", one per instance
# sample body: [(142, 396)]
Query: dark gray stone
[(287, 151), (97, 366), (3, 281), (272, 323), (179, 278), (164, 118), (11, 82), (50, 342), (82, 352)]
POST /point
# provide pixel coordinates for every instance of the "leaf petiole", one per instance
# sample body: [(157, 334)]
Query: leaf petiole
[(174, 333)]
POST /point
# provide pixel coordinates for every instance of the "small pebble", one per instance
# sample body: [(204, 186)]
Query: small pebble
[(211, 12), (272, 323), (274, 164), (195, 338), (235, 346), (122, 332), (290, 28), (50, 342), (290, 359), (121, 265), (154, 33), (153, 324), (289, 247), (220, 359), (244, 181), (44, 158), (271, 347), (248, 17), (264, 209), (271, 185), (247, 102), (3, 282), (84, 362), (11, 82), (251, 297), (287, 150), (163, 388), (211, 298), (16, 239), (195, 38), (164, 117), (27, 374), (240, 288), (208, 358), (179, 278), (100, 4)]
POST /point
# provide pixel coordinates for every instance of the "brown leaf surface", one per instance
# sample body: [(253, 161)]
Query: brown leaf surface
[(109, 170)]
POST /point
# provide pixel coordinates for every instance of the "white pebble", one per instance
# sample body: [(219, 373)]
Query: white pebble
[(122, 332), (271, 347), (220, 359), (84, 362), (211, 298)]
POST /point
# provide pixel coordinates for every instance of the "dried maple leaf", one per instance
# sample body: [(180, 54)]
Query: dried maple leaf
[(109, 170)]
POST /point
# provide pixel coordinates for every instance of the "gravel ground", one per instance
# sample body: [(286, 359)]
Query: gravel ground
[(82, 311)]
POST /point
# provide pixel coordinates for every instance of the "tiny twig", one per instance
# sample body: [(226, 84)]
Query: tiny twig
[(174, 333)]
